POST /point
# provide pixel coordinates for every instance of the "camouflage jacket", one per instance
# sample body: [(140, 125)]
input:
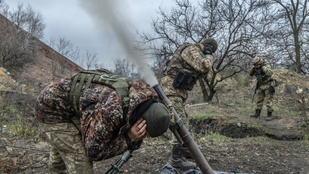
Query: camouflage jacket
[(189, 57), (263, 75), (103, 126)]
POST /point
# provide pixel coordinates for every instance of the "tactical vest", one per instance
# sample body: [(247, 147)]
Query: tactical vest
[(101, 76), (184, 75), (176, 62)]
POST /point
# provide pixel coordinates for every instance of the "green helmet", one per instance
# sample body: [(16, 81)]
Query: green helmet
[(257, 61), (212, 42), (157, 119)]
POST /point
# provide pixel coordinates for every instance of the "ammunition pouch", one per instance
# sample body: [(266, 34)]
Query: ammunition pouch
[(271, 90), (273, 84), (184, 80)]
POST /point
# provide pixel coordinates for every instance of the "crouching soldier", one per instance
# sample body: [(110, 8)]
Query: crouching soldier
[(96, 115), (264, 88)]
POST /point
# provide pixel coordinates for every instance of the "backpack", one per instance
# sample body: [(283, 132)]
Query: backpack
[(100, 76)]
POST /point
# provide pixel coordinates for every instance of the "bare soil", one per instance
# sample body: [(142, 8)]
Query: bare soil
[(249, 145)]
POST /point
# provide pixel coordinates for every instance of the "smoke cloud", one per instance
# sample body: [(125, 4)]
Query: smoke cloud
[(107, 15)]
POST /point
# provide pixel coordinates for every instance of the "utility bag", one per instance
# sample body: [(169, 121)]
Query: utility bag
[(184, 80), (273, 82), (100, 76)]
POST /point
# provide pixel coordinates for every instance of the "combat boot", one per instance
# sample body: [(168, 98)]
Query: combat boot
[(179, 162), (269, 116), (257, 113), (185, 152)]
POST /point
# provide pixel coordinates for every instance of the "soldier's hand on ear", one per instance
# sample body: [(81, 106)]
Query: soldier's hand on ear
[(138, 130), (208, 50)]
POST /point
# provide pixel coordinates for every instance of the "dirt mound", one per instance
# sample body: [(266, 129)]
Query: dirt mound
[(241, 130), (291, 86)]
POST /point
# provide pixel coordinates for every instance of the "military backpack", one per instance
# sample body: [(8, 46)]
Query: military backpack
[(100, 76)]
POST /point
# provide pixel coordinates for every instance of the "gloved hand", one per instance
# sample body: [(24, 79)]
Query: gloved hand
[(261, 66), (208, 50), (211, 42)]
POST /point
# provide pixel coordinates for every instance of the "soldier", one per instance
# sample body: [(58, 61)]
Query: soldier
[(189, 62), (265, 88), (106, 128)]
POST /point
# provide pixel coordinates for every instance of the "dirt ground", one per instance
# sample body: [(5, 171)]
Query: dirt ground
[(276, 147)]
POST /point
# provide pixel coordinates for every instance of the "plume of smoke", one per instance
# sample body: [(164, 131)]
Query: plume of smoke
[(106, 14)]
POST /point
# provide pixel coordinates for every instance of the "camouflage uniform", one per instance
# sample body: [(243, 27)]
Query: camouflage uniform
[(190, 58), (264, 79), (103, 125), (67, 150)]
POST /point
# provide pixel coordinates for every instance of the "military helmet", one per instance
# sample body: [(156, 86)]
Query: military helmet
[(212, 42), (157, 119), (257, 61)]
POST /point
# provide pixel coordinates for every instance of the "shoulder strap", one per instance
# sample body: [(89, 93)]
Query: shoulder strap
[(174, 57), (101, 76)]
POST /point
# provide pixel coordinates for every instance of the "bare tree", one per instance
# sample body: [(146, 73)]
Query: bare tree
[(294, 13), (65, 47), (3, 6), (16, 41), (29, 20), (125, 68), (288, 33), (99, 65), (229, 22), (90, 59), (15, 46), (62, 46)]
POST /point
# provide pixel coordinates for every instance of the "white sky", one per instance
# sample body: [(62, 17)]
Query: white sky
[(67, 18)]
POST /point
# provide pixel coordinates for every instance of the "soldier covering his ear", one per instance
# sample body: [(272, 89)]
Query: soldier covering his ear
[(107, 122), (189, 62), (265, 88)]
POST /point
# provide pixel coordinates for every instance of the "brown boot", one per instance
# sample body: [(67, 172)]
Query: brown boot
[(257, 113), (269, 116), (178, 161)]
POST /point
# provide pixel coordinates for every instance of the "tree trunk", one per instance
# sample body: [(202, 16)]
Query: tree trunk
[(211, 94), (207, 96), (204, 90), (297, 51)]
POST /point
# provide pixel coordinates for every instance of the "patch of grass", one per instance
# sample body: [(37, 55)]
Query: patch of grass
[(304, 124), (242, 79), (306, 137), (14, 121), (287, 112), (215, 138), (200, 116), (10, 109), (302, 143), (20, 126), (258, 139)]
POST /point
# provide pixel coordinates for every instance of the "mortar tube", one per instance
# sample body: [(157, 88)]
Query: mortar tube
[(185, 136)]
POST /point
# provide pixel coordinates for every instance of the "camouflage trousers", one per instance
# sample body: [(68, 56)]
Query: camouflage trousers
[(179, 107), (67, 154), (264, 95)]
